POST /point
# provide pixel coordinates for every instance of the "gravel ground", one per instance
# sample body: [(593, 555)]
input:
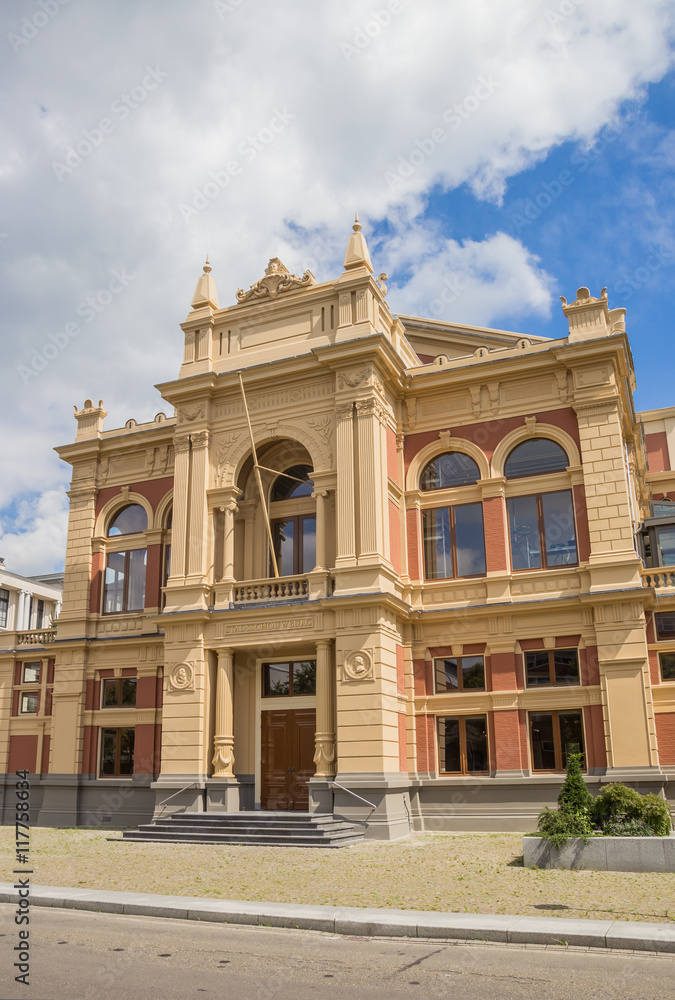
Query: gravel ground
[(473, 873)]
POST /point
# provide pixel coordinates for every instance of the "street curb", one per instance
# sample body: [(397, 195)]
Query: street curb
[(363, 921)]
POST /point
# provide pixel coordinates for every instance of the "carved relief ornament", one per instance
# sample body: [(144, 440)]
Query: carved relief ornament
[(277, 279), (182, 677), (358, 665)]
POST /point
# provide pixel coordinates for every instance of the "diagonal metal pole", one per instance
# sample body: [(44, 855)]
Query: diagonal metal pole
[(259, 479)]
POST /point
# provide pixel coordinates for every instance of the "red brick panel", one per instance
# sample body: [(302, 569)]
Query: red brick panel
[(129, 672), (665, 736), (95, 590), (17, 672), (494, 522), (153, 490), (50, 671), (49, 694), (651, 633), (22, 754), (146, 692), (44, 766), (400, 669), (510, 740), (423, 679), (159, 697), (392, 457), (505, 672), (15, 702), (425, 731), (89, 749), (596, 755), (414, 567), (89, 703), (146, 760), (527, 644), (581, 517), (657, 452), (158, 748), (654, 667), (589, 666), (473, 648), (402, 743), (567, 641), (395, 536)]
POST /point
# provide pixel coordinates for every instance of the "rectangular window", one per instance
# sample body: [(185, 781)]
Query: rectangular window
[(40, 616), (117, 752), (124, 586), (31, 673), (553, 737), (541, 529), (4, 607), (665, 625), (294, 544), (667, 661), (552, 667), (463, 745), (666, 543), (288, 680), (459, 673), (29, 702), (118, 693), (454, 541)]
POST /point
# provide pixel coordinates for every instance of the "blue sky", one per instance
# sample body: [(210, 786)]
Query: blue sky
[(500, 155)]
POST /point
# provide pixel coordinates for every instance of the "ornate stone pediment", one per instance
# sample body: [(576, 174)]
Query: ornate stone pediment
[(277, 279)]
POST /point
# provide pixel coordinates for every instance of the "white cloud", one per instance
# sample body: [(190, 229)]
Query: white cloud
[(353, 120), (37, 540)]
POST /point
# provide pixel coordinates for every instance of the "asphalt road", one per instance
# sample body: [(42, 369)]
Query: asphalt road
[(78, 955)]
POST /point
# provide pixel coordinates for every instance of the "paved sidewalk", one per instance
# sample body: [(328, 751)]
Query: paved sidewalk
[(369, 922)]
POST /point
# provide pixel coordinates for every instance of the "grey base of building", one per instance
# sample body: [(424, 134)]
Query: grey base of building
[(385, 806)]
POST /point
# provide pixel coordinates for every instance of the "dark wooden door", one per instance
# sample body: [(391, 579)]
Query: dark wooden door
[(287, 757)]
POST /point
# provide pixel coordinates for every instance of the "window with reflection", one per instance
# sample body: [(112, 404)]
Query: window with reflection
[(119, 692), (124, 582), (294, 533), (292, 483), (451, 469), (553, 737), (535, 457), (665, 624), (542, 531), (463, 745), (4, 607), (453, 541), (667, 662), (117, 752), (31, 672), (289, 679), (459, 673), (30, 702), (128, 521), (551, 667)]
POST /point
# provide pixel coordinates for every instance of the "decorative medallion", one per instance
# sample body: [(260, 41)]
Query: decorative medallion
[(358, 665), (182, 677), (277, 279)]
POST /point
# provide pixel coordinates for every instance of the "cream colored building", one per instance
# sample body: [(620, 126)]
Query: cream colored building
[(460, 600)]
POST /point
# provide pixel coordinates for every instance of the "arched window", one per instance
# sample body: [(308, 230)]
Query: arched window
[(124, 582), (451, 469), (535, 457), (294, 530), (286, 486), (128, 521)]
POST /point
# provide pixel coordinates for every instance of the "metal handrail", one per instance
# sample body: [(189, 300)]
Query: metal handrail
[(173, 796), (373, 807)]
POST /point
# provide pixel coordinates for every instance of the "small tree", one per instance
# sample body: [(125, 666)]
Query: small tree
[(574, 796), (575, 804)]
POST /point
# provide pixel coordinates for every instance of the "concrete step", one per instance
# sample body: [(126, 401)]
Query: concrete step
[(253, 829), (246, 840)]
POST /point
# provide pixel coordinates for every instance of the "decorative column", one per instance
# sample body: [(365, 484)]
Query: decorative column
[(229, 510), (179, 528), (223, 742), (372, 516), (325, 752), (320, 497), (346, 537), (198, 509)]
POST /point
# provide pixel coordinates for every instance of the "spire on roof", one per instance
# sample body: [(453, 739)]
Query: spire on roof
[(205, 292), (357, 249)]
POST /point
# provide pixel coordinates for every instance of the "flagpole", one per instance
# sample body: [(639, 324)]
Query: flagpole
[(259, 479)]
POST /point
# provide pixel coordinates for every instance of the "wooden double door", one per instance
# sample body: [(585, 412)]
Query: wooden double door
[(287, 757)]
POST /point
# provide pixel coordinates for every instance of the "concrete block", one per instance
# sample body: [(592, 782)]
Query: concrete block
[(371, 922), (464, 926), (559, 930), (641, 936)]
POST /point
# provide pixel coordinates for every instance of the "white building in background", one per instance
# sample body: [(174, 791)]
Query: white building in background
[(28, 602)]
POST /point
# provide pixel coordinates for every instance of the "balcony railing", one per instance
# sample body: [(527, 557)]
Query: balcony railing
[(283, 588), (36, 637)]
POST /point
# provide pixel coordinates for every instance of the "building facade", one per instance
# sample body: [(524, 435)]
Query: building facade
[(378, 565)]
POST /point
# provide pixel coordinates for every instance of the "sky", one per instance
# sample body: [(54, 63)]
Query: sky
[(500, 153)]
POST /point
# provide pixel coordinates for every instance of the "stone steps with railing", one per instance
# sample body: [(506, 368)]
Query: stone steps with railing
[(268, 829)]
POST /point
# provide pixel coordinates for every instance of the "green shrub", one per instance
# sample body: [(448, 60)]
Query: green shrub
[(558, 825), (656, 814), (617, 803), (627, 828), (574, 796)]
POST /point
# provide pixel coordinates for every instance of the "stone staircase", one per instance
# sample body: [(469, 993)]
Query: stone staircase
[(279, 829)]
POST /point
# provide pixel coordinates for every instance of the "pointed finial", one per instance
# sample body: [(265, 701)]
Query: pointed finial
[(207, 266), (357, 227), (357, 255), (205, 292)]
